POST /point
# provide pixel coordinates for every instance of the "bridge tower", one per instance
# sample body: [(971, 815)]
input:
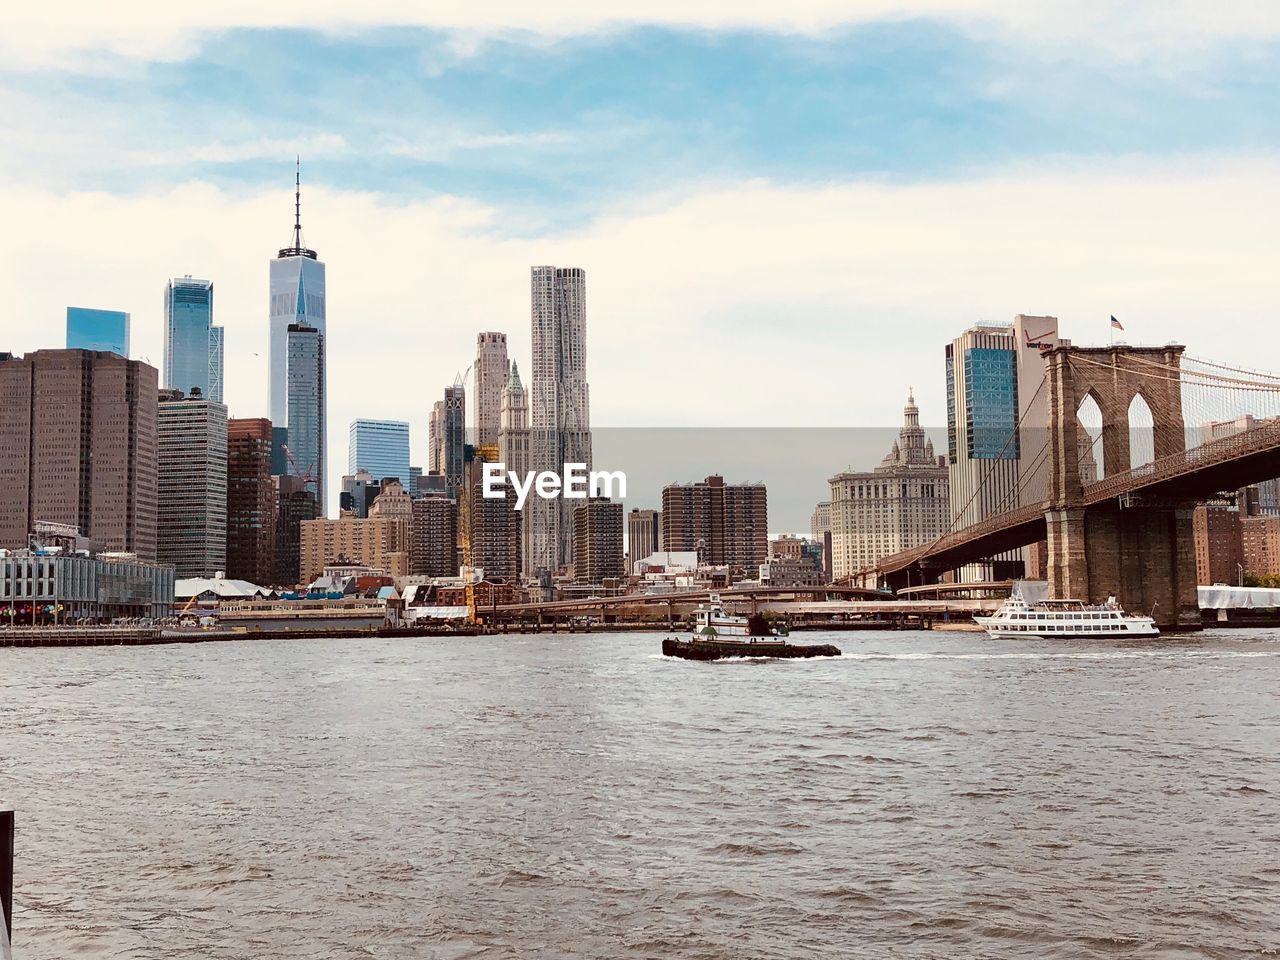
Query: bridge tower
[(1141, 552)]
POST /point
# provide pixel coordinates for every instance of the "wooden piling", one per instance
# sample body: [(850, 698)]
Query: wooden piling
[(6, 874)]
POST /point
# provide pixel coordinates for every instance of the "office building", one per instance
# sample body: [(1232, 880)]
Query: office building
[(435, 439), (490, 372), (217, 356), (106, 331), (358, 492), (559, 404), (378, 542), (78, 447), (513, 450), (297, 291), (433, 546), (994, 374), (644, 535), (415, 477), (597, 540), (251, 502), (725, 524), (295, 504), (789, 571), (454, 435), (393, 500), (820, 535), (305, 447), (188, 317), (380, 447), (192, 490), (900, 504)]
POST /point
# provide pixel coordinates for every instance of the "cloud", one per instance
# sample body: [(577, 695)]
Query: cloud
[(735, 303), (79, 34)]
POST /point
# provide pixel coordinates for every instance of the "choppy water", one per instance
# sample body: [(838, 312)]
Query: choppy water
[(928, 795)]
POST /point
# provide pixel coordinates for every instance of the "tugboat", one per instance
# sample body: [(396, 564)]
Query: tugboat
[(718, 635)]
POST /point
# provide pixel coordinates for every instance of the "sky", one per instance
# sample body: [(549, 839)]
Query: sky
[(784, 210)]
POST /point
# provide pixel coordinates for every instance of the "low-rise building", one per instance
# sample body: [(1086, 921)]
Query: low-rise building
[(786, 571), (41, 587)]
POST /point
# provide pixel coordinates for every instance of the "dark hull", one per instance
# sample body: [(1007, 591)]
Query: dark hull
[(723, 649)]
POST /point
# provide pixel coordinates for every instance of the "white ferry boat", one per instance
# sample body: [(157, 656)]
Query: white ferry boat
[(1065, 619)]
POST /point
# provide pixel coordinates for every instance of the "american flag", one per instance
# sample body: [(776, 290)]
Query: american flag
[(1117, 324)]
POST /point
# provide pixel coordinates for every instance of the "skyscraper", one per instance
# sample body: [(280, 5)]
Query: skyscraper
[(491, 370), (78, 446), (305, 352), (188, 316), (380, 447), (192, 490), (513, 450), (106, 330), (297, 299), (251, 502), (295, 503), (217, 336), (454, 436), (435, 439), (559, 407), (997, 420)]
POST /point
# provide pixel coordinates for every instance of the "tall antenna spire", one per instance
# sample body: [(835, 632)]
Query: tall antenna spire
[(297, 201), (297, 249)]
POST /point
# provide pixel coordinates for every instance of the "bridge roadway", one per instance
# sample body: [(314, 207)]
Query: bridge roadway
[(800, 601), (1223, 464)]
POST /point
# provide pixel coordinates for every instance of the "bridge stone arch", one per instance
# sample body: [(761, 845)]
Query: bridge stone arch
[(1112, 376)]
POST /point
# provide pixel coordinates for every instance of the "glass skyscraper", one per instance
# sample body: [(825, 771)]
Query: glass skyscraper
[(305, 400), (382, 448), (188, 315), (89, 329), (297, 299), (982, 435), (216, 345)]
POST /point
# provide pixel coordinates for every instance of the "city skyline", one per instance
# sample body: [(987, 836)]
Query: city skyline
[(880, 145)]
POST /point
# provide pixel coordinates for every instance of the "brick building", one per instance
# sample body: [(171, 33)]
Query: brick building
[(726, 524), (78, 447)]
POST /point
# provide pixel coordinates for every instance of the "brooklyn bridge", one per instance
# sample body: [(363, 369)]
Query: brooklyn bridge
[(1212, 429)]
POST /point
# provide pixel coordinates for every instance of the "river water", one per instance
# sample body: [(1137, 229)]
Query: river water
[(932, 795)]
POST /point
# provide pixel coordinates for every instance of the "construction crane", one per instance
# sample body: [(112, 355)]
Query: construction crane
[(309, 476), (464, 528)]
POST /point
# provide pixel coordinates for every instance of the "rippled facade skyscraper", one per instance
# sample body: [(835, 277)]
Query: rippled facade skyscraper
[(559, 403), (297, 299)]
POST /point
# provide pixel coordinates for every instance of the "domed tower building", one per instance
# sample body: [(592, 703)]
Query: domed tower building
[(900, 504)]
